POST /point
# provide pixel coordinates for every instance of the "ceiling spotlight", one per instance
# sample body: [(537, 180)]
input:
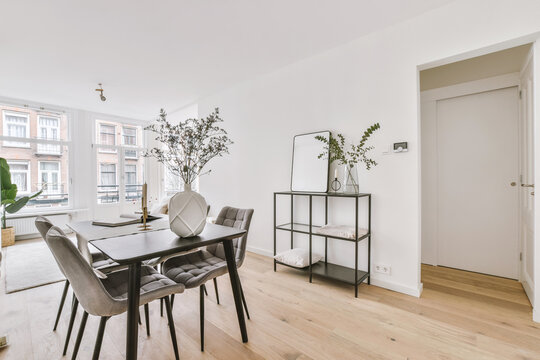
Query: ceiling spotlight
[(101, 96)]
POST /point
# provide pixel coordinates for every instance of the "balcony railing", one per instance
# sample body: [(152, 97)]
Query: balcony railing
[(108, 194), (48, 149), (53, 194)]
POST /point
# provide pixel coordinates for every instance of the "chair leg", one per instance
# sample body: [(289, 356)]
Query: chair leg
[(71, 321), (140, 322), (205, 292), (147, 317), (172, 301), (201, 314), (61, 306), (217, 293), (244, 301), (161, 307), (79, 336), (99, 339), (171, 327)]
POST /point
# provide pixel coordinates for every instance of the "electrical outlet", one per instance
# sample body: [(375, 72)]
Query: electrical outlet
[(383, 269)]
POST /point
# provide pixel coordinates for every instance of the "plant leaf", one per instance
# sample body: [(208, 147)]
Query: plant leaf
[(17, 205)]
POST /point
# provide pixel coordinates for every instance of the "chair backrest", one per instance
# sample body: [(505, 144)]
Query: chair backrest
[(89, 290), (237, 218), (43, 225)]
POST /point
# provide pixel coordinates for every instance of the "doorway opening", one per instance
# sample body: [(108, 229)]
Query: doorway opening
[(477, 162)]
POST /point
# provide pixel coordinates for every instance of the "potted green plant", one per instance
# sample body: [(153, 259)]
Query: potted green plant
[(9, 202), (186, 148), (336, 150)]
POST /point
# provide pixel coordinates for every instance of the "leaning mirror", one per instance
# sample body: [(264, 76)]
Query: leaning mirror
[(309, 173)]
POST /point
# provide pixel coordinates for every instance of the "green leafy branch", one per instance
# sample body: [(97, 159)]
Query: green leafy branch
[(188, 146), (334, 149)]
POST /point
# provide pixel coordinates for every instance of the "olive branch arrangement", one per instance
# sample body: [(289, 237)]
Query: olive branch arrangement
[(335, 149), (190, 145)]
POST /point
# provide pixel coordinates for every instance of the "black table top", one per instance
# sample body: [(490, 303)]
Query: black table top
[(147, 245)]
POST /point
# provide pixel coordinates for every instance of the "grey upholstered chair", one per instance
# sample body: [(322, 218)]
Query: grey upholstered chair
[(107, 297), (43, 225), (196, 268), (101, 265)]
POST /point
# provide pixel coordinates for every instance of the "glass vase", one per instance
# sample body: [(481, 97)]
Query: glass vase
[(351, 180)]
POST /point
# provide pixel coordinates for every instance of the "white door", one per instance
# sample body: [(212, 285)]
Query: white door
[(477, 163), (527, 180)]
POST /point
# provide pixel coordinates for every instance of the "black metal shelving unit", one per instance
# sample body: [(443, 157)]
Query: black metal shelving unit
[(325, 269)]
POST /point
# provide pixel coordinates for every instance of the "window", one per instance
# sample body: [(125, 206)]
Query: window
[(48, 129), (107, 136), (133, 186), (119, 164), (20, 175), (173, 183), (108, 174), (16, 125), (131, 174), (129, 135), (49, 177), (36, 144), (107, 187), (129, 138)]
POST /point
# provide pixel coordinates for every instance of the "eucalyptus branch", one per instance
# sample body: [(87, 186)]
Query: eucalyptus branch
[(334, 149)]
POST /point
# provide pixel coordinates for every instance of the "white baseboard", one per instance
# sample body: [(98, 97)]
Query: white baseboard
[(528, 290), (260, 251), (536, 316), (412, 291)]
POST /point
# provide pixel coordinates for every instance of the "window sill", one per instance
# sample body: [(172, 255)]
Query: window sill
[(16, 146), (29, 214)]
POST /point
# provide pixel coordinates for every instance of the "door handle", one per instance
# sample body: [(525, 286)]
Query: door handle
[(527, 185)]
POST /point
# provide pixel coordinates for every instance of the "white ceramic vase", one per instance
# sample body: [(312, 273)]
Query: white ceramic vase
[(187, 212)]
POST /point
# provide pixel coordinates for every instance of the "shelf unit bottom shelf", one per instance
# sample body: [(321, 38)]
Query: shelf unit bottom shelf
[(333, 271)]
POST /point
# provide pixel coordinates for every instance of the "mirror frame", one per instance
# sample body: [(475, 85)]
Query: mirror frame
[(327, 161)]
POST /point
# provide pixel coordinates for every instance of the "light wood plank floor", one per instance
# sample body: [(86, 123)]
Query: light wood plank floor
[(460, 315)]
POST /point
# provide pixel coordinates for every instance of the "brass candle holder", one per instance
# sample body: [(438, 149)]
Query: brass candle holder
[(144, 226)]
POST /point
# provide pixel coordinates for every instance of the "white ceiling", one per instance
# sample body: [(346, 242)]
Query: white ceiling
[(168, 53)]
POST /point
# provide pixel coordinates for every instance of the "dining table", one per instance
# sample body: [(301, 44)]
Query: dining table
[(131, 246)]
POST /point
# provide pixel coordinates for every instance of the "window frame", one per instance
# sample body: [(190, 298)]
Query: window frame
[(124, 126), (101, 172), (11, 143), (39, 127), (66, 144), (125, 173), (28, 173), (120, 151), (59, 177), (107, 148)]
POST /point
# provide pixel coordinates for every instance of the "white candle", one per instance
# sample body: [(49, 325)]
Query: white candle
[(335, 174)]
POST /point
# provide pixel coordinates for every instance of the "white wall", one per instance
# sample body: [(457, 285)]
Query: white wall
[(373, 79)]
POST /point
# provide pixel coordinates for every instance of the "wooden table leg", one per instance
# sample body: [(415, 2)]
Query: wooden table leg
[(134, 291), (235, 285)]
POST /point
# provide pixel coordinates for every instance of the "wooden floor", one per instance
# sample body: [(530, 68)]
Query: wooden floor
[(460, 315)]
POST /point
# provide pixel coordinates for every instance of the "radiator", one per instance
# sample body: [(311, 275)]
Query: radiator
[(25, 227)]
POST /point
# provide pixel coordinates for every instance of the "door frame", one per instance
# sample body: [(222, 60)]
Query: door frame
[(532, 38), (524, 278), (429, 99)]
